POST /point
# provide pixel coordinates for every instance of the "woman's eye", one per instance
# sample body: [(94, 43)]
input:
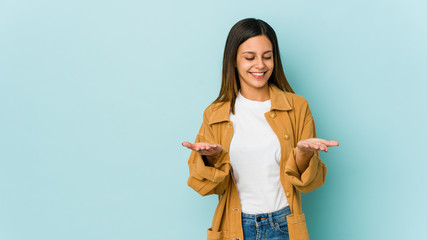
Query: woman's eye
[(252, 58)]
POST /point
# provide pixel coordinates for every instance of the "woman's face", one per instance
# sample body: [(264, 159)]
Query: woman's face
[(255, 63)]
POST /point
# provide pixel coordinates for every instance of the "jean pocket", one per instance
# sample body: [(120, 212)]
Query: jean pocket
[(282, 227), (214, 235), (297, 227)]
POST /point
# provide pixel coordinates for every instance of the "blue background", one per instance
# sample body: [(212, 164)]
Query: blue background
[(97, 96)]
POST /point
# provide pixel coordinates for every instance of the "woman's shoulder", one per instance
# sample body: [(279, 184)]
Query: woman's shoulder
[(299, 106), (287, 100), (295, 99), (214, 107), (217, 112)]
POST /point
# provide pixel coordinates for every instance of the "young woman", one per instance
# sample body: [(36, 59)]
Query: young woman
[(257, 147)]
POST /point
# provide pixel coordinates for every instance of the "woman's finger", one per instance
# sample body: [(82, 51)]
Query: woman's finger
[(323, 147), (331, 143), (203, 148), (308, 146), (317, 144), (313, 146), (189, 145)]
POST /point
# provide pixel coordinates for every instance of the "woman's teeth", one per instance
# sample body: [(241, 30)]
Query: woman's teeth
[(258, 74)]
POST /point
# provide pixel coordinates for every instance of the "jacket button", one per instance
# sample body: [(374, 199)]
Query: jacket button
[(288, 194), (229, 125), (236, 209), (286, 136), (236, 238), (273, 115)]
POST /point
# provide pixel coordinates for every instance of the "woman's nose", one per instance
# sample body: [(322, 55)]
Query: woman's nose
[(260, 63)]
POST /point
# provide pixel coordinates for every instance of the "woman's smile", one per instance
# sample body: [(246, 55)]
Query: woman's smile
[(258, 75)]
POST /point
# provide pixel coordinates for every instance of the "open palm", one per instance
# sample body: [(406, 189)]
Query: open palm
[(207, 149), (315, 144)]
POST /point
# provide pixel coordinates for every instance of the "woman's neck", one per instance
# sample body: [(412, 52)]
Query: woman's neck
[(256, 94)]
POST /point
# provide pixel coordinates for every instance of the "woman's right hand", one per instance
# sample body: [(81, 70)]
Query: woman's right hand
[(211, 151)]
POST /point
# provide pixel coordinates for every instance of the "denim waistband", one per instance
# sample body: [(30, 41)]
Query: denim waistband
[(277, 214)]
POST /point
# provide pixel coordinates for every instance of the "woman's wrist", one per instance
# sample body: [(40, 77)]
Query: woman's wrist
[(303, 159), (211, 160)]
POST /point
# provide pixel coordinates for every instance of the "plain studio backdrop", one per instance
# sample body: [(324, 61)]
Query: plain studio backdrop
[(97, 96)]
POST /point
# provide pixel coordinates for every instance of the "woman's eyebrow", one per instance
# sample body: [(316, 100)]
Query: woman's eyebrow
[(254, 52)]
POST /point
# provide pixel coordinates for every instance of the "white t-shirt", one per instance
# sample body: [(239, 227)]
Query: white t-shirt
[(255, 158)]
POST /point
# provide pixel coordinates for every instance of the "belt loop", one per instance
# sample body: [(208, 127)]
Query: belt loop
[(270, 217)]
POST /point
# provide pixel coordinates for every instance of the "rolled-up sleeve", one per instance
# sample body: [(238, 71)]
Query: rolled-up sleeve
[(204, 179), (314, 176)]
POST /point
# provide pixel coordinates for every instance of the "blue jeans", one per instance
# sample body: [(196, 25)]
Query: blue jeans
[(268, 226)]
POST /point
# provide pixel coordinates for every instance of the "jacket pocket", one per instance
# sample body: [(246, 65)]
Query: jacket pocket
[(212, 235), (297, 227)]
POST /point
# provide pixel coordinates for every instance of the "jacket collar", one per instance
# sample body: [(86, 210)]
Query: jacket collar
[(279, 101)]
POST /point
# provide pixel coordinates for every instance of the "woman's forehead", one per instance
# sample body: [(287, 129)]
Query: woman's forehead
[(256, 44)]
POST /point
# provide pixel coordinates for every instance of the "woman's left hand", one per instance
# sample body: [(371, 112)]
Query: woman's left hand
[(315, 144)]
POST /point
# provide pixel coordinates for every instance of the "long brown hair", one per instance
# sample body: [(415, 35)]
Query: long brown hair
[(239, 33)]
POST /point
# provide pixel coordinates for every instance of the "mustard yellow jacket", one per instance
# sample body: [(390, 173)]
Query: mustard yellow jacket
[(291, 120)]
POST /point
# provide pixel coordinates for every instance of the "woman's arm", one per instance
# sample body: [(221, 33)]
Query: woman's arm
[(209, 164), (306, 148), (304, 169), (209, 152)]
